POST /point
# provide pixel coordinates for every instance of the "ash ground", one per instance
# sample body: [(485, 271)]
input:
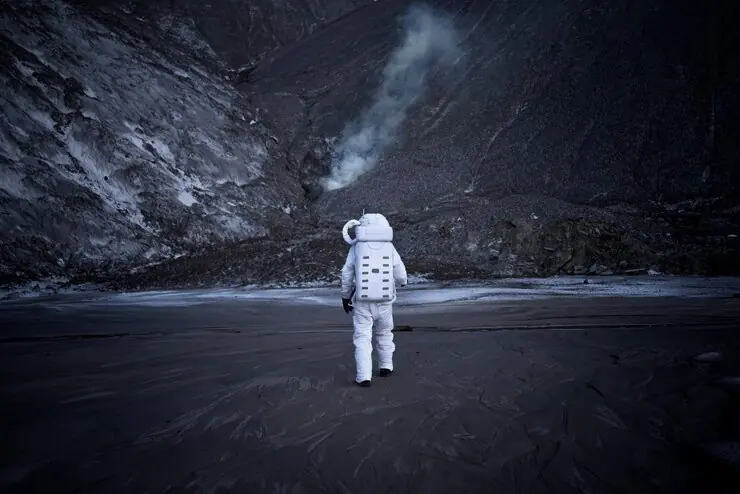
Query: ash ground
[(216, 391)]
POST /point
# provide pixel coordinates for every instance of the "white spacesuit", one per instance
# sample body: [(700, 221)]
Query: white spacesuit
[(370, 273)]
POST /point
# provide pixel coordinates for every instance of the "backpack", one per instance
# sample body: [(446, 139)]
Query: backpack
[(374, 251)]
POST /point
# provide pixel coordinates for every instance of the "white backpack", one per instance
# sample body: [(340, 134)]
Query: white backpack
[(374, 271), (374, 250)]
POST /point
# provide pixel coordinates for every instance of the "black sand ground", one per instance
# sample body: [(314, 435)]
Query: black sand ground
[(597, 396)]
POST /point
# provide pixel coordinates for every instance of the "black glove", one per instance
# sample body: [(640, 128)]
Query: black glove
[(347, 304)]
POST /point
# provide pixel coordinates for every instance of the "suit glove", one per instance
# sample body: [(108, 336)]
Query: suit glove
[(347, 304)]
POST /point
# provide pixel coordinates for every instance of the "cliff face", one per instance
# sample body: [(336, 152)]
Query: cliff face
[(124, 143), (501, 138), (573, 100)]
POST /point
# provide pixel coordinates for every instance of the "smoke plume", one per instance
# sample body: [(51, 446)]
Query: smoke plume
[(429, 38)]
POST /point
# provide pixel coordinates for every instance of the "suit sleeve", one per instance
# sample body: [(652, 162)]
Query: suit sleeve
[(348, 274), (399, 269)]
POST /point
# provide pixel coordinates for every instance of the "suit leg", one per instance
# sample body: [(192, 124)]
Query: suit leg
[(384, 336), (363, 325)]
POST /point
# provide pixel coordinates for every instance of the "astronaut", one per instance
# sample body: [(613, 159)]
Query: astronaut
[(369, 277)]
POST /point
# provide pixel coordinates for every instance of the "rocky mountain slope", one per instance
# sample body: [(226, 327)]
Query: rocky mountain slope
[(587, 103), (501, 138), (120, 149)]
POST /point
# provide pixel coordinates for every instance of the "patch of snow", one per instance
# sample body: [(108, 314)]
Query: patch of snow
[(222, 101), (99, 242), (418, 278), (728, 451), (41, 118), (90, 115), (732, 380), (40, 57), (110, 191), (709, 357), (12, 183), (186, 198), (8, 148), (24, 69), (182, 73), (235, 224), (17, 130), (200, 71), (212, 145), (162, 149), (136, 141)]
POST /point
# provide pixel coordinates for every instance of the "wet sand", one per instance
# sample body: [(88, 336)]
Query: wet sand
[(544, 396)]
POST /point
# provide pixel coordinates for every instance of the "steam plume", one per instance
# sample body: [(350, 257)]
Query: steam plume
[(429, 38)]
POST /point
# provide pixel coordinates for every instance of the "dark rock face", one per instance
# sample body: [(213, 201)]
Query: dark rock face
[(241, 32), (585, 103), (314, 165), (567, 137)]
